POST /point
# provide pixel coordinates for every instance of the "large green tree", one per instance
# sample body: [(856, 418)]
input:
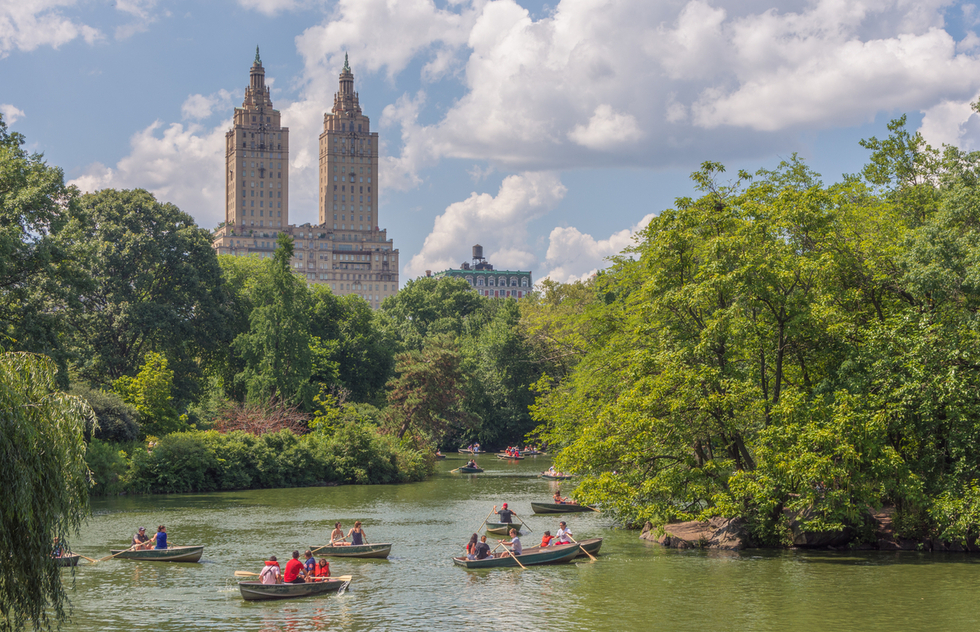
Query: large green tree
[(45, 483), (156, 286)]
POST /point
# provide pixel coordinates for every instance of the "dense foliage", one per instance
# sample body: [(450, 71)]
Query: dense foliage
[(44, 481), (778, 346)]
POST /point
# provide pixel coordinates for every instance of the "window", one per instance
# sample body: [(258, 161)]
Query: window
[(524, 282)]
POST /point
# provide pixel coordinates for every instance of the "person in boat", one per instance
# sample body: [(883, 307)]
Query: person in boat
[(271, 572), (471, 547), (141, 540), (309, 563), (563, 535), (471, 463), (546, 538), (515, 545), (322, 570), (294, 571), (476, 447), (357, 535), (506, 515), (161, 537), (558, 499), (58, 551), (483, 549), (337, 537)]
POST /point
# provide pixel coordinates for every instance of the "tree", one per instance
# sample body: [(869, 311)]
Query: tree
[(156, 287), (150, 393), (426, 396), (39, 270), (45, 483), (429, 306), (277, 347)]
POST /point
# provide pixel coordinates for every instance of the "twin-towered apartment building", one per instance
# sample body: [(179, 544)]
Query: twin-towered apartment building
[(346, 250)]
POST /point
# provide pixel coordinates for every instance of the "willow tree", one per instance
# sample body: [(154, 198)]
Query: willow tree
[(45, 488)]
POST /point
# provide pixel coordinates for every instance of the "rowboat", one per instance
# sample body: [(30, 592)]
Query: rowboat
[(555, 477), (67, 560), (257, 591), (462, 451), (508, 457), (558, 508), (550, 555), (172, 554), (440, 457), (503, 528), (467, 470), (534, 453), (354, 550), (592, 545)]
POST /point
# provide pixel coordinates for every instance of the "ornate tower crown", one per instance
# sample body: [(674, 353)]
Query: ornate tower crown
[(345, 101)]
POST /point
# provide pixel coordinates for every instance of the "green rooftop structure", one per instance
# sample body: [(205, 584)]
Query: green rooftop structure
[(489, 282)]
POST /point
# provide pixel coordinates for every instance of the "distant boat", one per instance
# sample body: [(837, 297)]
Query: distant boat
[(558, 508), (467, 470), (501, 455), (172, 554), (257, 591), (548, 555), (555, 477), (354, 550), (503, 528), (67, 560), (440, 457)]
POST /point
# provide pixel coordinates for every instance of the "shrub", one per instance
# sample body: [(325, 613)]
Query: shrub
[(117, 420), (108, 464)]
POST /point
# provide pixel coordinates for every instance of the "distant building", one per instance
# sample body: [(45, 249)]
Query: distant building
[(350, 254), (489, 282)]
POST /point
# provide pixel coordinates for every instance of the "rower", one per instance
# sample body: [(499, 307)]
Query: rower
[(337, 537), (140, 540), (505, 514), (564, 534), (515, 545)]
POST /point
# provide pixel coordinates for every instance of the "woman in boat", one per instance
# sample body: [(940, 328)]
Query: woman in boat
[(357, 535), (558, 499), (471, 547), (337, 537), (271, 573), (483, 549), (471, 463), (161, 537)]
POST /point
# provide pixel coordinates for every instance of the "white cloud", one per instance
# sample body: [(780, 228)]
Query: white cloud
[(573, 255), (952, 123), (10, 113), (606, 130), (142, 13), (499, 223), (178, 164), (272, 7), (198, 106), (27, 24)]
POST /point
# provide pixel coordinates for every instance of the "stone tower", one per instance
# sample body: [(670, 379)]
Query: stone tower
[(257, 160)]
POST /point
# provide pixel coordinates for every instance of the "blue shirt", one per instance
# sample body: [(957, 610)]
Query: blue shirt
[(310, 565), (161, 540)]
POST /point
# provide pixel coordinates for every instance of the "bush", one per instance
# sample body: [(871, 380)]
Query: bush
[(108, 464), (117, 420)]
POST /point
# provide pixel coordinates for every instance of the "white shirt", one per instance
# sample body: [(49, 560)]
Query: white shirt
[(269, 574), (562, 536)]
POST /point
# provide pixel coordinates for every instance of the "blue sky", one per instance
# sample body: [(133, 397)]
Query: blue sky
[(545, 132)]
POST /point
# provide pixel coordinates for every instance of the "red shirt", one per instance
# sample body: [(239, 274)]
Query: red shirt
[(293, 567)]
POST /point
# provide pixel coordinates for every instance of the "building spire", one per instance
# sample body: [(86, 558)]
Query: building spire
[(346, 64), (258, 60)]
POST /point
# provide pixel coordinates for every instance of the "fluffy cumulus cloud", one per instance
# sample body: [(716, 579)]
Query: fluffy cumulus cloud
[(177, 163), (199, 106), (497, 222), (27, 24), (574, 255), (632, 82), (11, 114)]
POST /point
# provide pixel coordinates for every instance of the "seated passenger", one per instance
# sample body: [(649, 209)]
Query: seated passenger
[(337, 537), (271, 573), (546, 538)]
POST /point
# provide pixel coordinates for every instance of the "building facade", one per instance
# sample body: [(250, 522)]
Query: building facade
[(352, 256), (481, 276)]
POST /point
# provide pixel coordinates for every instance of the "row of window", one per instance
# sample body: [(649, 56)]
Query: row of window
[(503, 293), (502, 282)]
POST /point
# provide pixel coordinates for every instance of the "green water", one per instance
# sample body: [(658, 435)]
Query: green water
[(634, 585)]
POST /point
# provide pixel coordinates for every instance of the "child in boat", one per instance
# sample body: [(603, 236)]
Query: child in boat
[(516, 548), (546, 538), (337, 537), (322, 570), (271, 573)]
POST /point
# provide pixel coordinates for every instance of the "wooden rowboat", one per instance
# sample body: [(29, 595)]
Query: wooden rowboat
[(440, 457), (508, 457), (503, 528), (592, 545), (553, 477), (556, 508), (67, 560), (462, 451), (382, 549), (467, 470), (172, 554), (549, 555), (257, 591)]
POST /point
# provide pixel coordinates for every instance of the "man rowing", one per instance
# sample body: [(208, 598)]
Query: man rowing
[(516, 548), (563, 535), (505, 514), (141, 540)]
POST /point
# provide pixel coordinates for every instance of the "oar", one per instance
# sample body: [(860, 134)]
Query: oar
[(325, 546), (86, 558), (484, 521), (109, 557), (245, 574), (582, 547), (511, 551)]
